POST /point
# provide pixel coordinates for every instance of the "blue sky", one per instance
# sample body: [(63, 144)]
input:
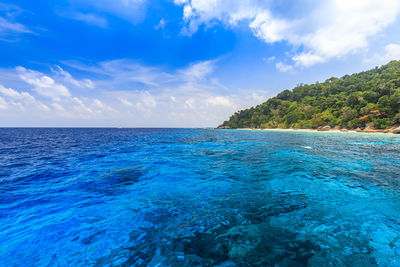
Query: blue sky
[(177, 63)]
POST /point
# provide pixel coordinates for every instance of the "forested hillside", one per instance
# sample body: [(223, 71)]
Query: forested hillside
[(370, 98)]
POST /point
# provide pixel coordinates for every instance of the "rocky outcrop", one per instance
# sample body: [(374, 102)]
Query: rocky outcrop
[(223, 127), (369, 129), (324, 128), (396, 130)]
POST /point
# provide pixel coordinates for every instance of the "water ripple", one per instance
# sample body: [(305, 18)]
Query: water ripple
[(184, 197)]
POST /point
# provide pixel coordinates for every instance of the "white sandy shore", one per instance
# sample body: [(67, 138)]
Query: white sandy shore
[(317, 131)]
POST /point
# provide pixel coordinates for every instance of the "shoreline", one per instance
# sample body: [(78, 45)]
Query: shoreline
[(386, 131)]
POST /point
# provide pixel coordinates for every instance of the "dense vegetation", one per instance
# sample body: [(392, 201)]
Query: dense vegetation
[(370, 98)]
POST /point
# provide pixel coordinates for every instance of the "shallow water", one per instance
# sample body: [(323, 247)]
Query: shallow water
[(167, 197)]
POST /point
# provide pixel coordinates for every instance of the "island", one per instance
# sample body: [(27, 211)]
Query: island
[(368, 101)]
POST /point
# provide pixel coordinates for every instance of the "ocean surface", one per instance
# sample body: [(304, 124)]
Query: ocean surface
[(194, 197)]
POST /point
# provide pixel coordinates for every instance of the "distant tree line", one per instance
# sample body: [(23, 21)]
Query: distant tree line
[(370, 98)]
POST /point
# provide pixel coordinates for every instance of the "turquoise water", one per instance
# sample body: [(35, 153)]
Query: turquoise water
[(189, 197)]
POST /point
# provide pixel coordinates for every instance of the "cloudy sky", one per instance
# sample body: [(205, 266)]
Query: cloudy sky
[(177, 63)]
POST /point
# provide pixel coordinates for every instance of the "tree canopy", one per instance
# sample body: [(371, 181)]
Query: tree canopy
[(370, 98)]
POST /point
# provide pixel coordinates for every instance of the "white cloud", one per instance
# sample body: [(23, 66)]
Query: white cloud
[(58, 107), (186, 97), (189, 103), (391, 52), (180, 2), (183, 97), (55, 95), (161, 24), (131, 10), (8, 27), (100, 106), (219, 101), (308, 59), (128, 71), (13, 94), (3, 103), (88, 18), (198, 71), (145, 103), (282, 67), (42, 106), (126, 102), (119, 73), (21, 100), (8, 21), (267, 28), (329, 29), (42, 84), (67, 78), (91, 19), (81, 108), (269, 59)]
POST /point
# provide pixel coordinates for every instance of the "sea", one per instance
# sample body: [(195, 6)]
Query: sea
[(198, 197)]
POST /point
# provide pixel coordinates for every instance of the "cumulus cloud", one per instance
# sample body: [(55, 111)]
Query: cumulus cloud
[(219, 101), (42, 84), (328, 29), (13, 94), (282, 67), (125, 93), (53, 91), (390, 52), (268, 28), (21, 100), (183, 97), (393, 51)]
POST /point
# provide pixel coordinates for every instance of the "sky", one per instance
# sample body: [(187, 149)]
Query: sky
[(177, 63)]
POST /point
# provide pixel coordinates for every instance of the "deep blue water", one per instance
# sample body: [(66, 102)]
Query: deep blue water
[(184, 197)]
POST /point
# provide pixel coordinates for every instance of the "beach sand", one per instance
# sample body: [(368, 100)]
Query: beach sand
[(318, 131)]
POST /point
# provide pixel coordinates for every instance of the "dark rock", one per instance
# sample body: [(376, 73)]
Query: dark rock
[(223, 127), (324, 128)]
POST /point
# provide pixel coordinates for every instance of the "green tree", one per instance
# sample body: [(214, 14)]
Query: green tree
[(367, 98)]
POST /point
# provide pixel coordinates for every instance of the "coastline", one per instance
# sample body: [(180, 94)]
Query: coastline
[(368, 131)]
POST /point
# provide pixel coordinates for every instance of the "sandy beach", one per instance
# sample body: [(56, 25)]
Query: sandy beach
[(387, 131)]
